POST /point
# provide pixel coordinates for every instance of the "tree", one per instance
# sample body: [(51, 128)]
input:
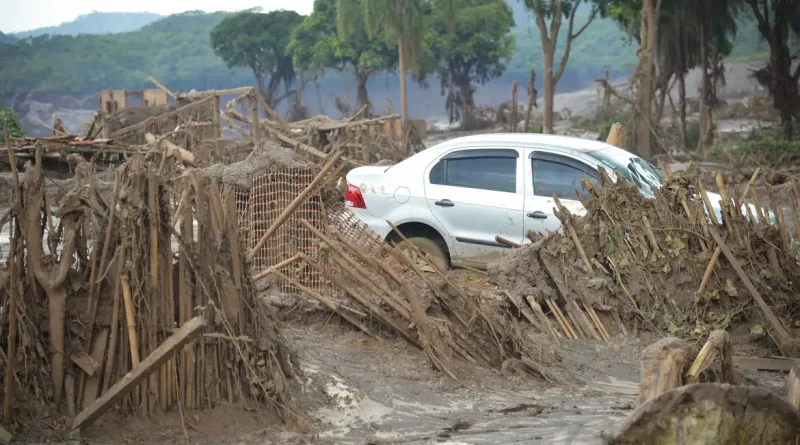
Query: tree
[(401, 19), (258, 41), (475, 51), (315, 45), (555, 11), (9, 119), (776, 20)]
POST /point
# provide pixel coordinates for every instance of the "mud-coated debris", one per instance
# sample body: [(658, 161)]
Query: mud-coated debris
[(711, 413), (5, 436)]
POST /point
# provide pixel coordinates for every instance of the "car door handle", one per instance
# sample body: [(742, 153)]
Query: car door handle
[(444, 203), (537, 215)]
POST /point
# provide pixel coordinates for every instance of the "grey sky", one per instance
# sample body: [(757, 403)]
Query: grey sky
[(24, 15)]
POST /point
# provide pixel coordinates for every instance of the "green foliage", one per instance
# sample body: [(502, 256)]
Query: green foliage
[(258, 41), (174, 50), (316, 45), (8, 118), (7, 38), (475, 51), (480, 46), (96, 23), (397, 20)]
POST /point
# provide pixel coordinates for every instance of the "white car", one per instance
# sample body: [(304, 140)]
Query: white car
[(453, 199)]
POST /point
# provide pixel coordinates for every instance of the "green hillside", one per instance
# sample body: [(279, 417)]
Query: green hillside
[(7, 38), (176, 50), (96, 23)]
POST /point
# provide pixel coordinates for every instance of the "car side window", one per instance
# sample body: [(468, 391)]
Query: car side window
[(480, 170), (559, 176)]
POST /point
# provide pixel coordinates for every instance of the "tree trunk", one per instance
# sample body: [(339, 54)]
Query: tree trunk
[(465, 90), (682, 105), (549, 87), (362, 98), (52, 277), (403, 99), (647, 49), (272, 88), (705, 87)]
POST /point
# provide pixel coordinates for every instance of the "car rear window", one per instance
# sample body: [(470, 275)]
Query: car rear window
[(484, 173)]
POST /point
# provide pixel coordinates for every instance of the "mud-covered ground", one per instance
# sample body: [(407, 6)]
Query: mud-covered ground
[(358, 390)]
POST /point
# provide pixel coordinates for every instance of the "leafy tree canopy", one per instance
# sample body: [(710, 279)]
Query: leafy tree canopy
[(316, 45), (258, 41), (476, 50), (9, 119)]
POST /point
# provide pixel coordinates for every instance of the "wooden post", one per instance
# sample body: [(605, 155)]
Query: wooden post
[(513, 113), (140, 372), (794, 386), (254, 121), (217, 126), (531, 101), (662, 367)]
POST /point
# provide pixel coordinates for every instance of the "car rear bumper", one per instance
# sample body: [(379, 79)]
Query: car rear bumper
[(377, 225)]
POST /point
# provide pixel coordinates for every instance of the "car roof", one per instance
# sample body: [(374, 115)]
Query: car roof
[(570, 142)]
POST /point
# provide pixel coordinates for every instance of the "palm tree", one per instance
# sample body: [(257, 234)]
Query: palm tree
[(400, 19)]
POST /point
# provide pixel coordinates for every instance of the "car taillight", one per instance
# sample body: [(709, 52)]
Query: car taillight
[(354, 198)]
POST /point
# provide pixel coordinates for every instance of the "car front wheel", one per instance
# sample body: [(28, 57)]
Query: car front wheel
[(428, 249)]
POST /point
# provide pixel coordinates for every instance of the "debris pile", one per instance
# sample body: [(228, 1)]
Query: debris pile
[(662, 264), (148, 297), (390, 290)]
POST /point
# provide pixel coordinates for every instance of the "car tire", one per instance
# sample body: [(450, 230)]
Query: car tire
[(429, 247)]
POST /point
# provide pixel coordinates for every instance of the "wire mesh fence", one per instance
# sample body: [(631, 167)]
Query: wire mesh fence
[(270, 195)]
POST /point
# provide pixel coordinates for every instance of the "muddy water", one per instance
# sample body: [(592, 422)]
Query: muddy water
[(387, 392), (474, 417)]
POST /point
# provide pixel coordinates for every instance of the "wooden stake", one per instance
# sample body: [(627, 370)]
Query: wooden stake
[(11, 353), (364, 302), (779, 218), (795, 218), (707, 202), (561, 320), (300, 199), (782, 338), (545, 321), (140, 372), (709, 269), (327, 303), (759, 210), (794, 386), (112, 340), (129, 315), (562, 215), (254, 122)]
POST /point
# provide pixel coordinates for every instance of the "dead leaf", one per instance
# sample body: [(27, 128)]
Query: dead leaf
[(730, 289)]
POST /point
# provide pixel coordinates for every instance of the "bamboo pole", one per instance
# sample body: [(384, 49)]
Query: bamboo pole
[(327, 303), (562, 215), (709, 269), (112, 340), (380, 313), (545, 321), (707, 202), (759, 210), (300, 199), (129, 316), (562, 322), (782, 338)]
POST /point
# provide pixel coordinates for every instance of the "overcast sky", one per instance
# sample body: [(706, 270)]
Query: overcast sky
[(24, 15)]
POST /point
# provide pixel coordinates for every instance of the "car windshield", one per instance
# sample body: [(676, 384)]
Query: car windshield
[(635, 169)]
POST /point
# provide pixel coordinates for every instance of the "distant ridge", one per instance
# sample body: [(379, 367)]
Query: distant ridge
[(95, 23)]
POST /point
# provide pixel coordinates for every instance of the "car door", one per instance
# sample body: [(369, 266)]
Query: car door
[(475, 194), (550, 173)]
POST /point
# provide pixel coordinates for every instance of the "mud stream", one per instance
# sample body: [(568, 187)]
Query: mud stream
[(393, 397)]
